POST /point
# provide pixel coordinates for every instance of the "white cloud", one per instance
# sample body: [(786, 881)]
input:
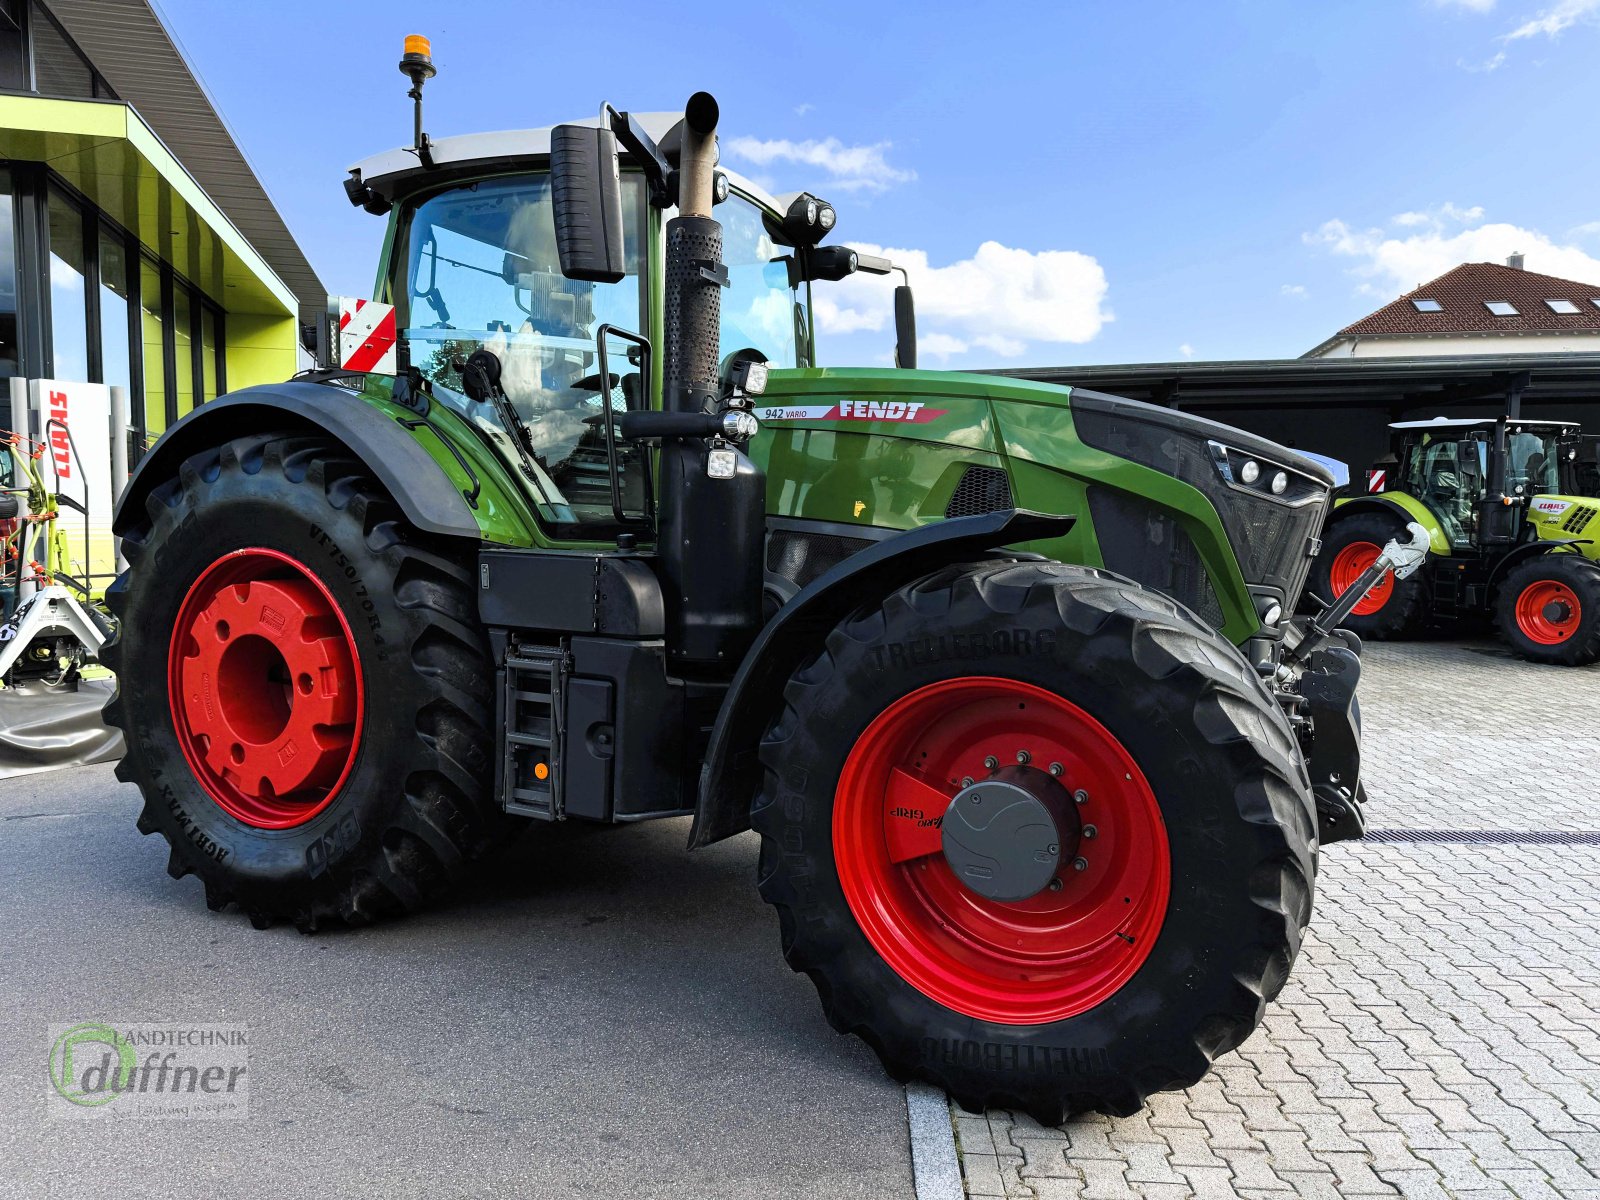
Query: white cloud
[(1407, 254), (850, 168), (1587, 229), (1492, 63), (801, 110), (1186, 350), (1556, 19), (1000, 300), (1296, 291), (1479, 6)]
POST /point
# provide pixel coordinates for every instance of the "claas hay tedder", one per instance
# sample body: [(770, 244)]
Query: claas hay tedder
[(1004, 676)]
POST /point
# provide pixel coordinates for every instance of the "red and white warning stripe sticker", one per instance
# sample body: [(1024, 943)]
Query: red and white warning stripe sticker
[(853, 410), (1377, 480), (366, 336)]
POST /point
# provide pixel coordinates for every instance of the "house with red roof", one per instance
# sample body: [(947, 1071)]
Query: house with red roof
[(1477, 308)]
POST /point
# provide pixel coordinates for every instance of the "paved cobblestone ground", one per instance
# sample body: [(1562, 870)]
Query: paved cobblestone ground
[(1441, 1033)]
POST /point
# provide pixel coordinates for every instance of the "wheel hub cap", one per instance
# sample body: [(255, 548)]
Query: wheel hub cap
[(1005, 837), (265, 688)]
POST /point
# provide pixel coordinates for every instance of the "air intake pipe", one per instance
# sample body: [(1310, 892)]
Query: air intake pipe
[(712, 530)]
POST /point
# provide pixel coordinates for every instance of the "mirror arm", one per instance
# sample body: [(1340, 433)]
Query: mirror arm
[(646, 153)]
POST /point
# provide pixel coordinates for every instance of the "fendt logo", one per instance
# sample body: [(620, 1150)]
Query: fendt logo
[(60, 443), (854, 410)]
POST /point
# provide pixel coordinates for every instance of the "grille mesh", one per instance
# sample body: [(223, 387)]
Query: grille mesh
[(981, 490), (801, 557), (1147, 545), (1271, 540), (1579, 517)]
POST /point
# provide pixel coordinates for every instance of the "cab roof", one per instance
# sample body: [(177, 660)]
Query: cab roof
[(394, 173)]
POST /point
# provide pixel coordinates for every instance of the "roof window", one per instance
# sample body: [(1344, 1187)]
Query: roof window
[(1501, 308), (1562, 306), (1427, 306)]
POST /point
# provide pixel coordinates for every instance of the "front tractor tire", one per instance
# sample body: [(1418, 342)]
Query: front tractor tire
[(1395, 608), (1548, 610), (1039, 836), (303, 687)]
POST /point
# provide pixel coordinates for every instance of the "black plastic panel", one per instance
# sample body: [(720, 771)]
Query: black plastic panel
[(1271, 540), (1146, 544)]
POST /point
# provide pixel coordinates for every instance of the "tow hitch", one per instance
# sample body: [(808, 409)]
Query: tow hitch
[(1319, 674)]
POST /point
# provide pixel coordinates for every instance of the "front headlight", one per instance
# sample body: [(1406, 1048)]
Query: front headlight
[(1257, 476)]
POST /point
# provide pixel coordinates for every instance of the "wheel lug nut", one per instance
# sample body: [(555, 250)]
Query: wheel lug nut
[(1024, 757), (1056, 885), (1057, 770), (1054, 849), (991, 763), (1080, 864), (1089, 831), (966, 781), (1081, 796)]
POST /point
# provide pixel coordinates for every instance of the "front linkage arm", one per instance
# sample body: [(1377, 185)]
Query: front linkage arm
[(1320, 671)]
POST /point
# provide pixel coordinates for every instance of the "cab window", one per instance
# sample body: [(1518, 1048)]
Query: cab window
[(760, 311), (480, 271)]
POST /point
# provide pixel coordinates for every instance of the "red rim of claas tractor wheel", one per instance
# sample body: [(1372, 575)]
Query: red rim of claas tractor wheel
[(265, 688), (1043, 959), (1548, 612), (1349, 565)]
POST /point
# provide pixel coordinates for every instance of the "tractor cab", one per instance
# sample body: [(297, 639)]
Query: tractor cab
[(1484, 481)]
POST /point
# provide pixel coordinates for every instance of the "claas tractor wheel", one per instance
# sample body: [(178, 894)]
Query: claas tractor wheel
[(1039, 835), (1395, 608), (1548, 610), (303, 686)]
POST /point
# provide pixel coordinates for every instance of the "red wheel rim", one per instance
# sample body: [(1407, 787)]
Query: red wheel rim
[(1052, 956), (265, 688), (1548, 612), (1349, 565)]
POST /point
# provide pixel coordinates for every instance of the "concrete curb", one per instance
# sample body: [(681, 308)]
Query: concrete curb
[(933, 1144)]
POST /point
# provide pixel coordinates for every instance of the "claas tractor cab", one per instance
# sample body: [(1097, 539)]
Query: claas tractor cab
[(1511, 526), (1004, 676)]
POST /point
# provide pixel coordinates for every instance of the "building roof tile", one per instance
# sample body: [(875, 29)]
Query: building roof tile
[(1464, 292)]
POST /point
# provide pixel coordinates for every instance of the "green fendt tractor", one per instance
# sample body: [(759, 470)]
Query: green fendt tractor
[(1511, 534), (1039, 796)]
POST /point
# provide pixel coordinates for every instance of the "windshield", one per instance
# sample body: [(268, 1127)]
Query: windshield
[(760, 311), (481, 271), (1533, 462)]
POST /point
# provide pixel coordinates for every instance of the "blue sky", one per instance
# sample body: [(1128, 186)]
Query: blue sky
[(1072, 182)]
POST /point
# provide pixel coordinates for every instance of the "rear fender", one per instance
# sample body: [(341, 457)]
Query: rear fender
[(731, 775), (430, 501)]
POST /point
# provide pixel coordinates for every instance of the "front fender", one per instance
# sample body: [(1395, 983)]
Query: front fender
[(1520, 554), (430, 501), (1398, 504), (732, 773)]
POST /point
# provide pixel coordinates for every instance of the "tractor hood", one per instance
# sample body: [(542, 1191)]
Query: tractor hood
[(1560, 518), (950, 406)]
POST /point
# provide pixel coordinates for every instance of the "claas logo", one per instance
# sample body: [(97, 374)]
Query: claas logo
[(60, 443)]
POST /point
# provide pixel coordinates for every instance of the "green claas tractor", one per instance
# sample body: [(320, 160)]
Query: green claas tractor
[(1003, 675), (1511, 533)]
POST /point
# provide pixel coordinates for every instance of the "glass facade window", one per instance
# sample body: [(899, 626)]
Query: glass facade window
[(153, 346), (182, 351), (69, 306), (116, 366), (208, 354), (58, 68), (13, 51), (10, 352)]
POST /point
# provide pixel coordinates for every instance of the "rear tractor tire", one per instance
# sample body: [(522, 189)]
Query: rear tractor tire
[(1548, 610), (1396, 608), (303, 686), (1040, 836)]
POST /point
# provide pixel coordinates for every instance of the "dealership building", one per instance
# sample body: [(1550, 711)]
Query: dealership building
[(138, 249)]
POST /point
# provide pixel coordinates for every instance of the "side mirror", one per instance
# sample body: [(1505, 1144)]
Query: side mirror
[(905, 328), (586, 192)]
